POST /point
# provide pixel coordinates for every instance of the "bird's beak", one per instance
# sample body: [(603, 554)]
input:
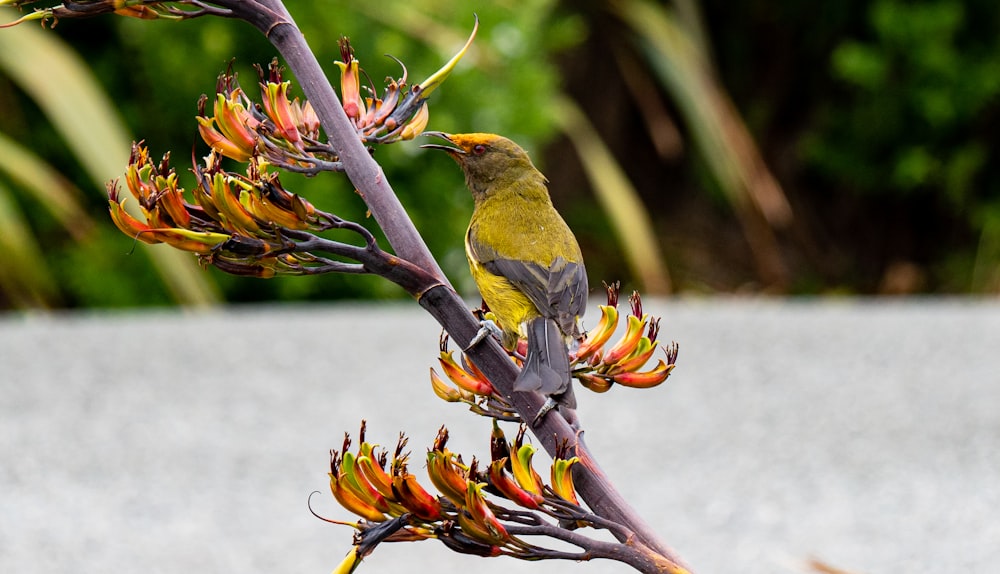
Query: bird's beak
[(445, 137)]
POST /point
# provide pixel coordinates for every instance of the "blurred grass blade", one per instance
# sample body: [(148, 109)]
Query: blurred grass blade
[(986, 266), (47, 185), (722, 139), (24, 278), (618, 198), (689, 18), (63, 87), (720, 134)]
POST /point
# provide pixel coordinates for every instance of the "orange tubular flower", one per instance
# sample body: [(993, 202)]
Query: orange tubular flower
[(410, 494), (482, 515), (462, 378), (446, 475), (230, 207), (218, 142), (172, 201), (509, 489), (642, 353), (350, 501), (279, 109), (645, 380), (373, 471), (123, 220), (594, 382), (627, 343), (445, 391), (600, 334), (360, 485), (350, 82)]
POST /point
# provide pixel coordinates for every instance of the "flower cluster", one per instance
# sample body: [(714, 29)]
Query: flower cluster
[(279, 130), (401, 113), (285, 132), (596, 367), (465, 513), (249, 224), (241, 224), (142, 9), (471, 386)]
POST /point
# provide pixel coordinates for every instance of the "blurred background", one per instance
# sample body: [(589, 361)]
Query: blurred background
[(832, 147)]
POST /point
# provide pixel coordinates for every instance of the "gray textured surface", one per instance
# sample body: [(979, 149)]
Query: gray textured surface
[(862, 433)]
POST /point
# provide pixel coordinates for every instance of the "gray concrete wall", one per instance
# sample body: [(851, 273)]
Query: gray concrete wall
[(862, 433)]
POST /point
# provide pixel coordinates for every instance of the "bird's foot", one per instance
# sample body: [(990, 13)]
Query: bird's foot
[(550, 404), (486, 328)]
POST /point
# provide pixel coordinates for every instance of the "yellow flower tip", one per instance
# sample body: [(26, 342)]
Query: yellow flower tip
[(42, 15), (627, 344), (417, 124), (350, 562), (524, 473), (279, 109), (636, 359), (482, 515), (443, 390), (599, 335), (562, 478)]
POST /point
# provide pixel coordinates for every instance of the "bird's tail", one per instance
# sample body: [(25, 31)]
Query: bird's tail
[(546, 365)]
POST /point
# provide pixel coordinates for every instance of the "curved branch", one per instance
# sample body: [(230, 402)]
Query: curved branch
[(640, 557), (418, 272), (273, 20)]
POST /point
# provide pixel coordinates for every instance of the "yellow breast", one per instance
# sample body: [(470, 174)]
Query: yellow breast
[(511, 307)]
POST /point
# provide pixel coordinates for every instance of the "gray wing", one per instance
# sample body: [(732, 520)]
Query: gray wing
[(559, 291)]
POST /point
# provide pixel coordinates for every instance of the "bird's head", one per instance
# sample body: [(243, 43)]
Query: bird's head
[(486, 159)]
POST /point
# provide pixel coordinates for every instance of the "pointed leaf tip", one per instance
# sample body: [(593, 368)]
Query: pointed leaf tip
[(438, 77)]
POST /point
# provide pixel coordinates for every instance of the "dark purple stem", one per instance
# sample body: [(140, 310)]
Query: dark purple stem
[(272, 19), (429, 285)]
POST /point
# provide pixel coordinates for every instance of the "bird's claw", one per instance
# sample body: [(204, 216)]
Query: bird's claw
[(486, 328), (550, 403)]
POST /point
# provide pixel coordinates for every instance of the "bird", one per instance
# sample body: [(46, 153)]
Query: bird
[(525, 261)]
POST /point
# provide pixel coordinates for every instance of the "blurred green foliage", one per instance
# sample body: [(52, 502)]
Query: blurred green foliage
[(878, 118), (921, 87), (156, 71), (921, 79)]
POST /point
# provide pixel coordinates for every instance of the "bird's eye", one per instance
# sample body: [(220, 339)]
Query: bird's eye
[(479, 149)]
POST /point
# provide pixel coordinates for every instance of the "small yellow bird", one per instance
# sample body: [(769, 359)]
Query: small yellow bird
[(524, 259)]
